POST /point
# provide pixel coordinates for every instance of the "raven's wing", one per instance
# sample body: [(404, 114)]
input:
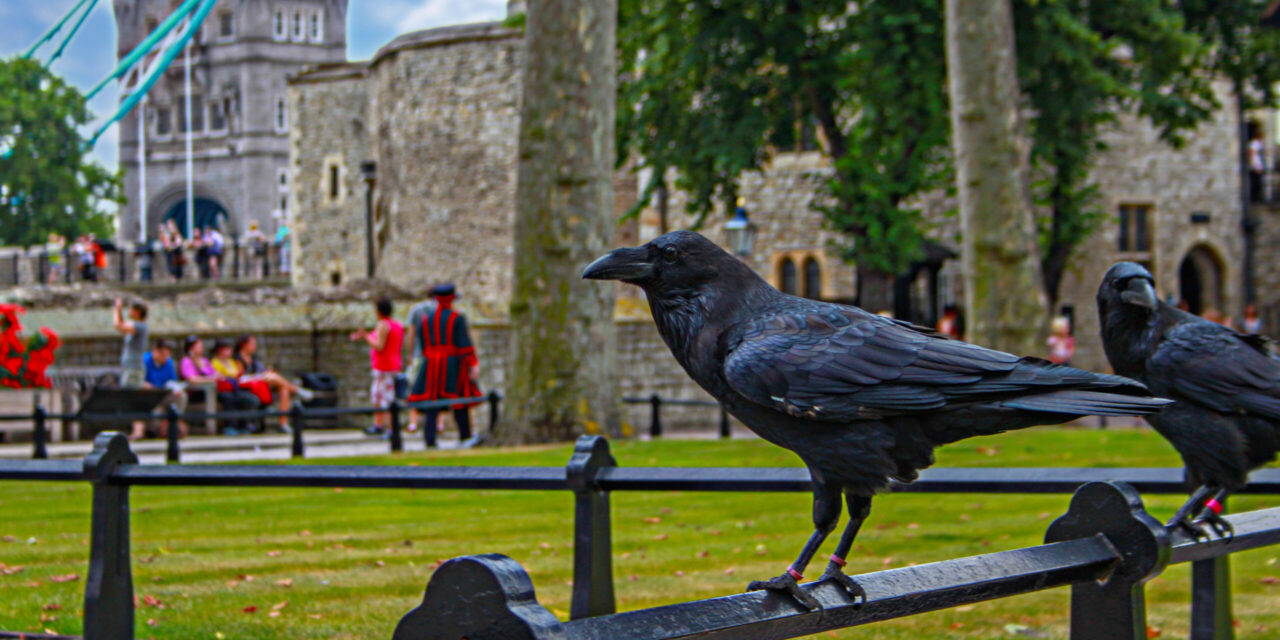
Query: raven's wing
[(1216, 367), (837, 363)]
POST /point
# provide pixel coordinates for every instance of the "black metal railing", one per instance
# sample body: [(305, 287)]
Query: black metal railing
[(656, 403), (592, 475), (1105, 548), (298, 415)]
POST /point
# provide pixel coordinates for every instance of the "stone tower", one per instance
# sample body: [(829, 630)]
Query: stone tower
[(240, 115)]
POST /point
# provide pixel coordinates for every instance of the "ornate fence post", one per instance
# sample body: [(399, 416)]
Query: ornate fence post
[(1114, 608), (397, 440), (108, 591), (171, 453), (592, 541), (480, 597), (655, 416), (297, 420), (40, 433)]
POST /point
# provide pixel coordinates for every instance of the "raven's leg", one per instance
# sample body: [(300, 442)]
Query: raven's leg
[(826, 513), (1182, 519), (1212, 515), (859, 509)]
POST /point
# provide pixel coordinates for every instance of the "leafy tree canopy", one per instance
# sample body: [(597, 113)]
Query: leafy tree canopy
[(714, 88), (47, 182)]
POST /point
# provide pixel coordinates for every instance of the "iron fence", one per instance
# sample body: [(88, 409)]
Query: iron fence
[(298, 416), (656, 403), (1079, 552)]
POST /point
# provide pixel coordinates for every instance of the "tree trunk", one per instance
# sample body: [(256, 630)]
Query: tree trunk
[(561, 380), (1003, 292)]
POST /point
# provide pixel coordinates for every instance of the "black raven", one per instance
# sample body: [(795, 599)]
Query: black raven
[(1225, 421), (860, 398)]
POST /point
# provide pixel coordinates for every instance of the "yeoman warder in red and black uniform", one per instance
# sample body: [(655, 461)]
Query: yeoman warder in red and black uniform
[(449, 365)]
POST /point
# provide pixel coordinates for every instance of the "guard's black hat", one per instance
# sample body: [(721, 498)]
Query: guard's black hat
[(446, 289)]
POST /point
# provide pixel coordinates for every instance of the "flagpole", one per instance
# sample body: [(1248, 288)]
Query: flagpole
[(142, 171), (191, 203)]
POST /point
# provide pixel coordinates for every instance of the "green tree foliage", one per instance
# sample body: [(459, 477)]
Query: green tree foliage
[(47, 182), (1080, 65), (716, 88)]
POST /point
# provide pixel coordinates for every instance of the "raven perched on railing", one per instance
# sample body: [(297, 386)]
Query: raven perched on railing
[(1225, 421), (861, 398)]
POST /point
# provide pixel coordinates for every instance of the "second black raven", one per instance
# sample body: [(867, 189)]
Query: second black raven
[(860, 398), (1226, 418)]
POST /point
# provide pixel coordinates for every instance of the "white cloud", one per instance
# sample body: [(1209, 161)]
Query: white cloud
[(410, 15)]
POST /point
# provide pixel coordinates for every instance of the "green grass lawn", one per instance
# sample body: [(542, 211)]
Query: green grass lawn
[(321, 563)]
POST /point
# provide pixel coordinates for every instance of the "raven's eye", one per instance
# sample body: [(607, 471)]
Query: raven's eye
[(670, 253)]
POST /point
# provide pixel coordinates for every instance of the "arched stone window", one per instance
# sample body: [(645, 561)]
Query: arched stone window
[(787, 276), (812, 278)]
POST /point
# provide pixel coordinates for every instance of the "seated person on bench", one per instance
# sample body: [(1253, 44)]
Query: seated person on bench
[(162, 373), (197, 369), (264, 385)]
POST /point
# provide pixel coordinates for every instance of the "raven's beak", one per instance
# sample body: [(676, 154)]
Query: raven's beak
[(1141, 293), (627, 265)]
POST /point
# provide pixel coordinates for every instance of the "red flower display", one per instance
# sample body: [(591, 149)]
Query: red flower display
[(23, 361)]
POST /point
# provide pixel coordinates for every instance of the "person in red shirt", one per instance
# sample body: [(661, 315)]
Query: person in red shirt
[(1062, 345), (386, 343)]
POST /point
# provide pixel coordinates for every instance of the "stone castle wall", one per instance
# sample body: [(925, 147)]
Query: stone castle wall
[(440, 116)]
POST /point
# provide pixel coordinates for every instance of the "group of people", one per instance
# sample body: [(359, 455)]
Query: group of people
[(233, 370), (206, 243), (87, 254), (444, 365)]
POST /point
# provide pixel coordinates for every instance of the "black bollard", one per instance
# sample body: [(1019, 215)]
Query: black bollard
[(494, 399), (40, 435), (724, 423), (297, 417), (655, 417), (397, 440), (171, 453)]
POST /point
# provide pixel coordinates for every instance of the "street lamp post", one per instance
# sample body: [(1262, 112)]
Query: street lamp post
[(740, 231), (368, 171)]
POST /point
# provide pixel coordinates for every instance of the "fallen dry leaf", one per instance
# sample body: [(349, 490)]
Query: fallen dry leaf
[(45, 617), (250, 609), (286, 582), (279, 605), (653, 520), (151, 622), (274, 553), (729, 571), (1270, 580), (151, 601), (274, 614), (70, 577), (1153, 632), (8, 571), (660, 536), (52, 606)]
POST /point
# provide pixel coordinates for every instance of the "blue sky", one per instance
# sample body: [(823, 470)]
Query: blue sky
[(91, 56)]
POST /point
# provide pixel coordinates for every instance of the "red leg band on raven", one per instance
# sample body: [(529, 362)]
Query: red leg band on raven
[(838, 560), (1214, 506), (794, 574)]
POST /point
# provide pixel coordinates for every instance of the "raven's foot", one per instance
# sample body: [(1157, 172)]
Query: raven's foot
[(1216, 522), (788, 584), (835, 573), (1194, 529)]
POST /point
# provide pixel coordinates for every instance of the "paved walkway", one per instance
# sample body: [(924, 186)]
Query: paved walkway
[(328, 443)]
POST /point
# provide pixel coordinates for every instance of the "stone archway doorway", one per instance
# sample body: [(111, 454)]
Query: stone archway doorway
[(1200, 281), (208, 213)]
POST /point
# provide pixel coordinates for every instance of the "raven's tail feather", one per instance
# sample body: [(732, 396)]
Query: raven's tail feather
[(1088, 403)]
